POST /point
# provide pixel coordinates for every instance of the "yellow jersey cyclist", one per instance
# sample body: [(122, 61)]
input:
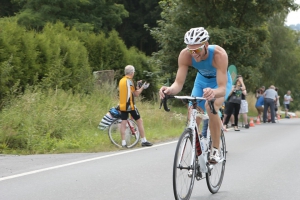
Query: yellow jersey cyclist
[(213, 81), (127, 92)]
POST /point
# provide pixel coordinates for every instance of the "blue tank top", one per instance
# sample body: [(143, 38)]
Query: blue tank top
[(205, 67)]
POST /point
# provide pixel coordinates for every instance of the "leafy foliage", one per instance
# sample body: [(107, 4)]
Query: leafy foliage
[(58, 57), (57, 121), (282, 68), (8, 8), (240, 27), (95, 15), (132, 29), (51, 58)]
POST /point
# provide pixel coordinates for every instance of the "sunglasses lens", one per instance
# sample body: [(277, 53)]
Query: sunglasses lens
[(196, 50)]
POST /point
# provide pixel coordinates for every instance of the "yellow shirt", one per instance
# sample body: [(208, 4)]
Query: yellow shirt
[(126, 89)]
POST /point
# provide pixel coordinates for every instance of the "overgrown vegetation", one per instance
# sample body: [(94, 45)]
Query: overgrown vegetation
[(58, 121), (48, 51), (58, 57)]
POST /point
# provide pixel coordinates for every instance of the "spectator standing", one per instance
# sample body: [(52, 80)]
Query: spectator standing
[(277, 104), (286, 103), (127, 93), (244, 104), (234, 103), (260, 92), (226, 111), (270, 97), (262, 88), (260, 106)]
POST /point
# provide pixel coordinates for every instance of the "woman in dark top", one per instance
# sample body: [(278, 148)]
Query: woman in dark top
[(234, 105)]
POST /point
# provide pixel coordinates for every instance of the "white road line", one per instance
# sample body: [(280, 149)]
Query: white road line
[(82, 161)]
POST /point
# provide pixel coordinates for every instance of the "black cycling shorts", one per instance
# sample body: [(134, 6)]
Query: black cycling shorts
[(134, 114)]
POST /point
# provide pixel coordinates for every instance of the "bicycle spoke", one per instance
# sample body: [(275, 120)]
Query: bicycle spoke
[(214, 180), (132, 135), (183, 171)]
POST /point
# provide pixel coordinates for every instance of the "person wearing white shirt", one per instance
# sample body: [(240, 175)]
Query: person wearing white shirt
[(286, 103)]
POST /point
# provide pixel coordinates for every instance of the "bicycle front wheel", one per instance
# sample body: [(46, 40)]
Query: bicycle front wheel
[(184, 167), (132, 134), (215, 177)]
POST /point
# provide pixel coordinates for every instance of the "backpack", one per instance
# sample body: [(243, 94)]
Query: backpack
[(106, 121), (115, 112), (109, 117)]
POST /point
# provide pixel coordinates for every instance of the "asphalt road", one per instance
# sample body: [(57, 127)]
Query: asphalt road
[(262, 163)]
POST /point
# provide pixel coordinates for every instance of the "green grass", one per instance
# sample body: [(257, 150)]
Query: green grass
[(61, 122)]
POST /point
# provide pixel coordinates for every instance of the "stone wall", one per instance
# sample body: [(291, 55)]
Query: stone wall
[(104, 76)]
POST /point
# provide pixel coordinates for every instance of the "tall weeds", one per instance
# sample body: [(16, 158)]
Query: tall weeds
[(58, 121)]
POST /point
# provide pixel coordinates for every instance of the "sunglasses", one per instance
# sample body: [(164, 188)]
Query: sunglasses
[(197, 50)]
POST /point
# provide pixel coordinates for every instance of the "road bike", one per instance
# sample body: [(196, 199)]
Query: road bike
[(192, 154), (132, 135)]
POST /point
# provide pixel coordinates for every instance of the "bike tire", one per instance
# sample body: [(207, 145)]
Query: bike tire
[(181, 167), (131, 138), (215, 178)]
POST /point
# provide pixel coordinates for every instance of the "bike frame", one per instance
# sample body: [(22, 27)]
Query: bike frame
[(195, 160), (133, 131), (202, 158)]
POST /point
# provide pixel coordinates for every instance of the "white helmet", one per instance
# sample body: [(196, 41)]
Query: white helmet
[(196, 36)]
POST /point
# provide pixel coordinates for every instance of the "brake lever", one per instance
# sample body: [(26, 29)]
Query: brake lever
[(212, 107), (164, 103)]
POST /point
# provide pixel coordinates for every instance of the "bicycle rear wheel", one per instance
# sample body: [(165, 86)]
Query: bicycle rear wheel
[(184, 167), (132, 134), (215, 177)]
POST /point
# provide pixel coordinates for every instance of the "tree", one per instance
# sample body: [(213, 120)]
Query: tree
[(282, 69), (93, 15), (238, 26), (8, 8), (132, 29)]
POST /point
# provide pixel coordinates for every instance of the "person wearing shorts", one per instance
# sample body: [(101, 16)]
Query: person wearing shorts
[(127, 92), (287, 100), (244, 105), (244, 111), (259, 105), (213, 81)]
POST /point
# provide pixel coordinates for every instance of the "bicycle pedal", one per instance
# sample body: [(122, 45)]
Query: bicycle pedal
[(199, 176)]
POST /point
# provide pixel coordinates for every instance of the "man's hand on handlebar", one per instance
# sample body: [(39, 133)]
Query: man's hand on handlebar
[(163, 91), (209, 94)]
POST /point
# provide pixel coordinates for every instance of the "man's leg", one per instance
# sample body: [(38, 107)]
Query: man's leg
[(140, 125), (215, 122), (272, 109), (123, 128), (124, 117), (136, 116), (265, 111)]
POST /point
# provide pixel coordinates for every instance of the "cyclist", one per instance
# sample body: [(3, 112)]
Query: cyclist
[(126, 95), (213, 81)]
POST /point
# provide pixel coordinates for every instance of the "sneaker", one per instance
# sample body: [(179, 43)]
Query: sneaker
[(247, 126), (287, 117), (146, 144), (125, 146), (214, 156)]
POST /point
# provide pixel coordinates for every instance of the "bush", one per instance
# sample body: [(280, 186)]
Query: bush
[(59, 121)]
